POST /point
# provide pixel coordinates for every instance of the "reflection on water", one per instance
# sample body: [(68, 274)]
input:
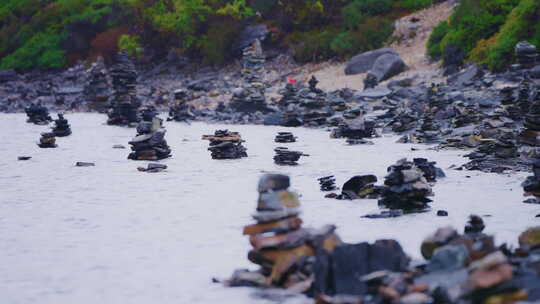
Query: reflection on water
[(112, 234)]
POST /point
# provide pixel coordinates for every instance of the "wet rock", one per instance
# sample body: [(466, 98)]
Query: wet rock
[(285, 137), (24, 157), (373, 93), (364, 62), (47, 140), (226, 145), (385, 214), (475, 225), (119, 147), (440, 238), (430, 171), (61, 126), (153, 168), (84, 164), (526, 54), (442, 213), (287, 157), (530, 239), (360, 186), (467, 76), (448, 258)]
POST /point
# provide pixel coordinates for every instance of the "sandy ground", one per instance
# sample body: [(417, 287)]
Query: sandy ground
[(412, 50)]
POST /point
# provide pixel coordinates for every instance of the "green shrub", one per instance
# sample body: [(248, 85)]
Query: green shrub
[(416, 4), (130, 44), (42, 51), (434, 43), (354, 12)]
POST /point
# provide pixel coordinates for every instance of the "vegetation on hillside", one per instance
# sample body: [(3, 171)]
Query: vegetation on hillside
[(487, 31), (53, 33)]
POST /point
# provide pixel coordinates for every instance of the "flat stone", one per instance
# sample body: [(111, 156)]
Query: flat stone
[(84, 164)]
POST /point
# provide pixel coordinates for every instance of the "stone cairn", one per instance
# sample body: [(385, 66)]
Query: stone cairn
[(226, 145), (531, 134), (61, 126), (354, 128), (524, 94), (97, 89), (360, 187), (508, 103), (47, 140), (531, 185), (284, 250), (38, 114), (405, 188), (327, 183), (124, 103), (526, 54), (251, 97), (180, 109), (285, 137), (150, 143), (429, 130), (286, 157)]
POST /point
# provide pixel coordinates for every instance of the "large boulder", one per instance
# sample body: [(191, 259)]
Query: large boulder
[(387, 66), (466, 76), (249, 34), (364, 62)]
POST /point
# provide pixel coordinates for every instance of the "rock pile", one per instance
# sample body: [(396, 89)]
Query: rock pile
[(286, 157), (226, 145), (124, 103), (150, 143), (47, 140), (97, 89), (526, 54), (405, 188), (531, 134), (531, 185), (429, 130), (251, 98), (281, 247), (180, 109), (61, 126), (285, 137), (327, 183), (38, 114)]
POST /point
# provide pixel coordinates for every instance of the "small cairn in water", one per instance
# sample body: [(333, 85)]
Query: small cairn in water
[(405, 188), (327, 183), (284, 250), (285, 137), (180, 109), (47, 140), (354, 128), (150, 143), (124, 103), (38, 114), (286, 157), (526, 54), (61, 126), (531, 185), (226, 145), (97, 88)]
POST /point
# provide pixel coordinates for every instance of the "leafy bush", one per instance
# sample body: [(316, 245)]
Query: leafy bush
[(434, 43), (42, 51), (416, 4), (354, 12), (130, 44)]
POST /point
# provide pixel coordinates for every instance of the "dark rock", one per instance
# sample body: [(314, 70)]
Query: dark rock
[(84, 164), (24, 157), (360, 186), (364, 62), (466, 76), (284, 156), (153, 168), (442, 213), (8, 75), (387, 66), (475, 225)]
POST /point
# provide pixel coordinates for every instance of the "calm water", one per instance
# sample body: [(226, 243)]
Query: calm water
[(111, 234)]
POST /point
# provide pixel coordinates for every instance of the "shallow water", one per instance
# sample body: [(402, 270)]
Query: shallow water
[(111, 234)]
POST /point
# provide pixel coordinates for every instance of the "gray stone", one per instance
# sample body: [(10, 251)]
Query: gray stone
[(84, 164), (535, 72), (466, 76), (387, 66), (373, 93), (249, 35), (364, 62), (8, 75), (449, 257)]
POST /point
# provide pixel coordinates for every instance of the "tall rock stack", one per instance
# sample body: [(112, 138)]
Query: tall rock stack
[(405, 188), (124, 103), (38, 114), (149, 144), (61, 126), (226, 145), (524, 94), (327, 183), (284, 250), (251, 97), (526, 55), (180, 109), (531, 134), (97, 89)]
